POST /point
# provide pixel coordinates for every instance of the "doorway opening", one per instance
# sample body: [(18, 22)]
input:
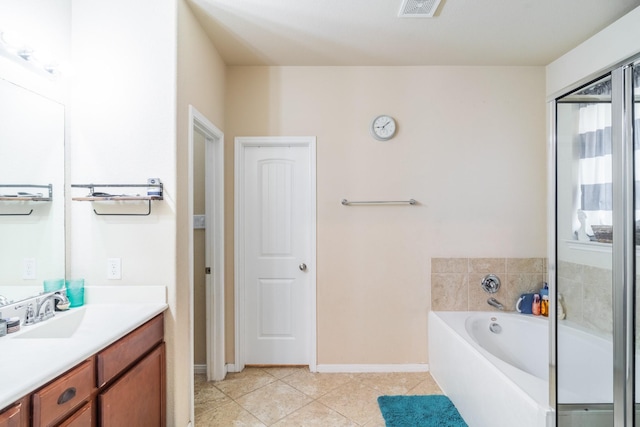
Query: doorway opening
[(202, 131)]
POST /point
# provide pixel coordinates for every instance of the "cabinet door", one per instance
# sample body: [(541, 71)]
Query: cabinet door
[(124, 352), (138, 397), (15, 416)]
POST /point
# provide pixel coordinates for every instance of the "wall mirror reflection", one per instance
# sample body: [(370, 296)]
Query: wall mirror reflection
[(32, 246)]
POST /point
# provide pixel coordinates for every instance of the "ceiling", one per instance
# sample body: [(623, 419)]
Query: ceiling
[(369, 32)]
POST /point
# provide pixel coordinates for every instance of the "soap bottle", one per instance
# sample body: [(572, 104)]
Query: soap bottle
[(544, 305), (535, 308), (544, 300)]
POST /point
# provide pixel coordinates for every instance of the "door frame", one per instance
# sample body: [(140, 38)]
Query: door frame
[(241, 143), (214, 220)]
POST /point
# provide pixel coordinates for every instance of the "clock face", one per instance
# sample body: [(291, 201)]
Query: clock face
[(383, 128)]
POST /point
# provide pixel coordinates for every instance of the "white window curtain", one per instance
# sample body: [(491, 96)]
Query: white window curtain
[(594, 167), (594, 129)]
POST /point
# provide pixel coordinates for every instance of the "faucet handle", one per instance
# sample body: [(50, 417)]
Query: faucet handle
[(63, 297), (30, 315)]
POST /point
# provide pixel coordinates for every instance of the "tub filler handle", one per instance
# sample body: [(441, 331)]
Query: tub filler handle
[(490, 283)]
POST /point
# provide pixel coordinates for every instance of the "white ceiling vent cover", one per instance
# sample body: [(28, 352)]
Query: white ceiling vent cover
[(418, 8)]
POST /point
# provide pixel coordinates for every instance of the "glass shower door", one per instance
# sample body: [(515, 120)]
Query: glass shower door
[(597, 220), (584, 260), (636, 168)]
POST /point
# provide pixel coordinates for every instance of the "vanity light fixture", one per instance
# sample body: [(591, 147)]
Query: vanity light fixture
[(13, 47)]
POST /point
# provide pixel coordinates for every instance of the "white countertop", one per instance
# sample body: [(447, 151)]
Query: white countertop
[(27, 364)]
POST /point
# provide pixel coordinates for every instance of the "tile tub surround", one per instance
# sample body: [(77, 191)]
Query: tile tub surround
[(455, 282), (587, 295)]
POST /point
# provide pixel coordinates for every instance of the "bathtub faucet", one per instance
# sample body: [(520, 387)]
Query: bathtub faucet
[(495, 303)]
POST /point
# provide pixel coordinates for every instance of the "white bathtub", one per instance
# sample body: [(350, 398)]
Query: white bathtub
[(584, 359), (492, 384)]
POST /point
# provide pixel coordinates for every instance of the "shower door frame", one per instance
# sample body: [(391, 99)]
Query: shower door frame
[(623, 247)]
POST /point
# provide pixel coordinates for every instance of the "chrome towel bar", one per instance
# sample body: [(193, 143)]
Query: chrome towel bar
[(346, 202)]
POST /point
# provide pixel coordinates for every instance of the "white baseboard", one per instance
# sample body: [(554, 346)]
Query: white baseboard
[(330, 368), (199, 369), (419, 367)]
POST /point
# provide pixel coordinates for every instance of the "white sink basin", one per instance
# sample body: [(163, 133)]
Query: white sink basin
[(63, 325)]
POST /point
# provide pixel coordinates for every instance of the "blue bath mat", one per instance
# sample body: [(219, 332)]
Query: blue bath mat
[(420, 411)]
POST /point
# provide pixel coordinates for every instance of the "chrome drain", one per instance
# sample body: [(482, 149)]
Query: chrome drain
[(495, 328)]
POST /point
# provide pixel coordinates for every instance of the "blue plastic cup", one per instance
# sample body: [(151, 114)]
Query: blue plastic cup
[(52, 285), (75, 292), (525, 304)]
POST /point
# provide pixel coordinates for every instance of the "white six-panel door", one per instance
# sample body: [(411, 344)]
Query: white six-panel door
[(277, 222)]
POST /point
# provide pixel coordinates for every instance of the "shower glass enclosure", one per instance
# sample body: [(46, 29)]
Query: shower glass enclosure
[(595, 148)]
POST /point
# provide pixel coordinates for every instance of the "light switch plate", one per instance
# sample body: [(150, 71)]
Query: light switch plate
[(199, 222)]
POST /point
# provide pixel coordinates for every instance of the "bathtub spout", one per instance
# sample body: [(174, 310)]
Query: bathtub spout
[(495, 303)]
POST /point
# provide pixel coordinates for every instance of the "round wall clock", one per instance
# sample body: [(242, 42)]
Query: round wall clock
[(383, 128)]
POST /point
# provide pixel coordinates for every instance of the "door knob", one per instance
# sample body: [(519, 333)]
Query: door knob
[(303, 267)]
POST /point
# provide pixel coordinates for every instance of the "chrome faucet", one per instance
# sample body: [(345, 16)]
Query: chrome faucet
[(45, 307), (495, 303)]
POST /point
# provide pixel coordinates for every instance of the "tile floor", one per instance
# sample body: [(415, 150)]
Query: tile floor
[(291, 396)]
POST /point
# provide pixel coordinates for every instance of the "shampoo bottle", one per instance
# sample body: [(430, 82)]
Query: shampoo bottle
[(544, 300), (544, 306), (535, 309)]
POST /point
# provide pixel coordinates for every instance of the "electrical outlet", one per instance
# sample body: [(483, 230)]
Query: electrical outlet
[(114, 269), (29, 269)]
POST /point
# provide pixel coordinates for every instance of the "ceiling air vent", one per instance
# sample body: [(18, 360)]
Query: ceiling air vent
[(418, 8)]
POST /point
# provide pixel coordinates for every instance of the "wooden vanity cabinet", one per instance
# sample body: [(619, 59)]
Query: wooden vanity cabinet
[(122, 385), (16, 415), (83, 417), (60, 398), (131, 377), (137, 398)]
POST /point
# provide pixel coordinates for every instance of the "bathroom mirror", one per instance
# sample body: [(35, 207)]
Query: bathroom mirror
[(32, 246)]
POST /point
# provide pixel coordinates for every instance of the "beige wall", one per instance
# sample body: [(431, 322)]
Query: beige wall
[(201, 79), (470, 148)]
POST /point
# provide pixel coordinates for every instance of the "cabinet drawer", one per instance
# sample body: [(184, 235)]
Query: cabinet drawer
[(56, 400), (82, 418), (129, 349)]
